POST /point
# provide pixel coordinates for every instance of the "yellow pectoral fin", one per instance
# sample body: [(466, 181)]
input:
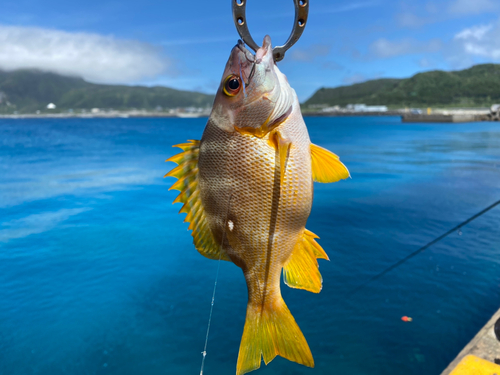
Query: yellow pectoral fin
[(282, 145), (187, 174), (284, 150), (326, 166), (301, 269)]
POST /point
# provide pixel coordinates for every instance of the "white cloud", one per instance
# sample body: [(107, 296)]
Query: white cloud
[(432, 8), (37, 223), (94, 57), (411, 20), (475, 32), (310, 53), (468, 7), (181, 42), (331, 9), (383, 48), (424, 63), (480, 41), (349, 7), (416, 15)]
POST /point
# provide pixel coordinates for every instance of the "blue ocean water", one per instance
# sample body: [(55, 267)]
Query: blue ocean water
[(98, 274)]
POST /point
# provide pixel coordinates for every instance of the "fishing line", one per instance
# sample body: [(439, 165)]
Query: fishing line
[(204, 352), (241, 77), (408, 257)]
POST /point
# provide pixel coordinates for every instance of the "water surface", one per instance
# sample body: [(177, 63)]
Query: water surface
[(98, 274)]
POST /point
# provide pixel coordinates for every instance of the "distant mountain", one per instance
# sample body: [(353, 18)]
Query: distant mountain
[(27, 91), (476, 86)]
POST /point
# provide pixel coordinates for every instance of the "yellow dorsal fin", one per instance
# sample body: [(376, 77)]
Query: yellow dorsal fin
[(187, 174), (301, 269), (271, 330), (326, 166)]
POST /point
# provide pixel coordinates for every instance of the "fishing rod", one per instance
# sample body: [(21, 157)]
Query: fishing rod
[(416, 252)]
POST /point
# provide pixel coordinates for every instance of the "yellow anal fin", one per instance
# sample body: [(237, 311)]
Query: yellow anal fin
[(301, 270), (310, 239), (326, 166), (271, 330), (187, 174)]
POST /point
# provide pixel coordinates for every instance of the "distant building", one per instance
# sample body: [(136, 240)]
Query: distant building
[(51, 106), (366, 108), (95, 110), (335, 108)]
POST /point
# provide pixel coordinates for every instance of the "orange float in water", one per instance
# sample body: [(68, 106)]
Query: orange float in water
[(406, 319)]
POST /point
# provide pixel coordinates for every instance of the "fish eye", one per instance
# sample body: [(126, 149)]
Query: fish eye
[(232, 85)]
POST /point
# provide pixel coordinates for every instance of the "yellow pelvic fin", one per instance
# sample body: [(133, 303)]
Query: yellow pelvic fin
[(271, 330), (301, 269), (326, 166), (187, 174)]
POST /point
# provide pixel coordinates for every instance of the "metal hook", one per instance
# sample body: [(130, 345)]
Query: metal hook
[(240, 21)]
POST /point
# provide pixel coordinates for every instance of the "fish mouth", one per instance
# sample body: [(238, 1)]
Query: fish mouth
[(259, 54), (247, 63), (248, 55), (244, 63)]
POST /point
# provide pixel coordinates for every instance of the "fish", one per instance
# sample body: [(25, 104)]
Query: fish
[(247, 190)]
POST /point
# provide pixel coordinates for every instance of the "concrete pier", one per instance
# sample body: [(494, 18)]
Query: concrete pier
[(484, 345), (442, 118)]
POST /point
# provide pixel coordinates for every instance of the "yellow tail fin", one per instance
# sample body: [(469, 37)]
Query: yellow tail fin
[(270, 331)]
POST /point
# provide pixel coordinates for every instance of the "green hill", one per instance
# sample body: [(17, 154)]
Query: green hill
[(27, 91), (476, 86)]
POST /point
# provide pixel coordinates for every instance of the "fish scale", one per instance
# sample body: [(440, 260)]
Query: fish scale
[(246, 173)]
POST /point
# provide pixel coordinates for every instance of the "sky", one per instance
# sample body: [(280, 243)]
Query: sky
[(185, 44)]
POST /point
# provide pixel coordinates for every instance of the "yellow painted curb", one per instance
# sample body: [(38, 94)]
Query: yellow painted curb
[(472, 365)]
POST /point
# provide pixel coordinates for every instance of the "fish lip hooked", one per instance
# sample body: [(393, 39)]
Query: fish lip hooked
[(249, 55)]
